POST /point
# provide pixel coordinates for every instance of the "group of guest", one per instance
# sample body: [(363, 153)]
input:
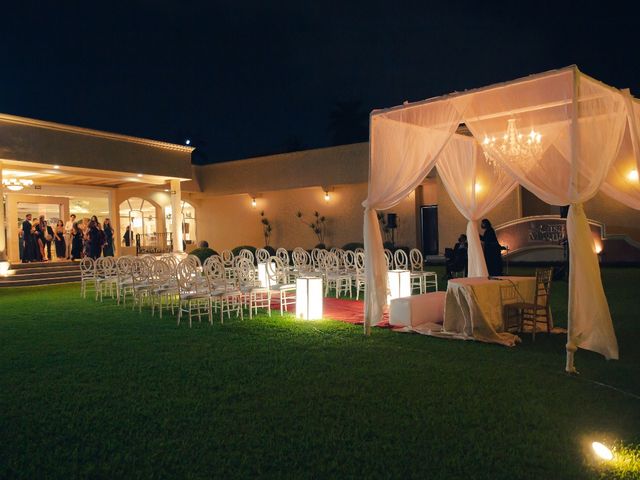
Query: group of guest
[(457, 258), (73, 240)]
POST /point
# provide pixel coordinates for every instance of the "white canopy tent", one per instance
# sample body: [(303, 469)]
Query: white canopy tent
[(577, 136)]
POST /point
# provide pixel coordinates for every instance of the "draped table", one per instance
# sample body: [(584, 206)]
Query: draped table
[(473, 307)]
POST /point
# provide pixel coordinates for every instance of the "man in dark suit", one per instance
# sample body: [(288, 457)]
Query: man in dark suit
[(457, 258), (28, 241)]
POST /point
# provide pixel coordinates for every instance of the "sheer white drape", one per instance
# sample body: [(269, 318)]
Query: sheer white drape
[(475, 188), (404, 147), (582, 134), (622, 182)]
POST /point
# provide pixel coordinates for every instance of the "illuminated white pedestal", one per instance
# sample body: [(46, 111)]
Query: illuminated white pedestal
[(399, 282), (309, 298)]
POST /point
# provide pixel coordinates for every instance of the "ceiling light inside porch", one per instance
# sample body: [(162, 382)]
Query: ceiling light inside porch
[(16, 184)]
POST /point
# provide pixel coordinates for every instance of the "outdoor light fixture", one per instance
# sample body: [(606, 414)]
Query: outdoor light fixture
[(399, 284), (309, 298), (515, 147), (56, 167), (4, 268), (602, 451), (16, 184), (139, 175), (632, 176), (327, 197), (253, 202)]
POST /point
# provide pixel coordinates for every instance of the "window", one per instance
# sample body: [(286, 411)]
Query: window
[(140, 214)]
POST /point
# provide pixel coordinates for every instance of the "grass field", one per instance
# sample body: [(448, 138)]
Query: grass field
[(94, 390)]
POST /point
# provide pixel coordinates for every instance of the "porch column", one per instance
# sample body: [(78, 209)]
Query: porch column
[(176, 215), (3, 232)]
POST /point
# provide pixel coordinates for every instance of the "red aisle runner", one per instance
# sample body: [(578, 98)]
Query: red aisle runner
[(349, 311)]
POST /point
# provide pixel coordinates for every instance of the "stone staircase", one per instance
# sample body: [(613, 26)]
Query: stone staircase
[(36, 274)]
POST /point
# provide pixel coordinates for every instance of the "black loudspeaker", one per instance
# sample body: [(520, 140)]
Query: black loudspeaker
[(392, 220), (564, 211)]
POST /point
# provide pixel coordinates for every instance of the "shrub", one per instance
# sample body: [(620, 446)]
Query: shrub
[(352, 246), (203, 244), (203, 253)]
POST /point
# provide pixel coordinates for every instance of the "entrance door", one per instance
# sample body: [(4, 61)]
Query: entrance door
[(429, 226), (18, 205)]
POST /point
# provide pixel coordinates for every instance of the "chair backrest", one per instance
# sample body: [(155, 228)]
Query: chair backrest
[(161, 272), (359, 250), (301, 259), (105, 267), (214, 268), (276, 271), (248, 254), (543, 286), (389, 257), (246, 273), (401, 260), (417, 260), (187, 275), (262, 255), (87, 267), (194, 261), (283, 255), (140, 271), (359, 263), (331, 263), (227, 257), (123, 266), (170, 260), (349, 261), (147, 259)]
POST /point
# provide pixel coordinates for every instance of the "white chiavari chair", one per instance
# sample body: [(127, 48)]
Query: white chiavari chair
[(286, 292), (87, 275), (254, 295), (429, 279), (194, 297)]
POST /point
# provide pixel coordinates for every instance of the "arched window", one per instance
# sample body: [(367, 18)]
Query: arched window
[(188, 221), (140, 214)]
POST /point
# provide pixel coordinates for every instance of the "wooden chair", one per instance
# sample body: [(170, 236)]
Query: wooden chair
[(539, 311)]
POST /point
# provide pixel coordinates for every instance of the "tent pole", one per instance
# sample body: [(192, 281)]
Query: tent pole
[(571, 347)]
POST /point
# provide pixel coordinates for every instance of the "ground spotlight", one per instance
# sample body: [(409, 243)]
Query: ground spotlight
[(601, 451)]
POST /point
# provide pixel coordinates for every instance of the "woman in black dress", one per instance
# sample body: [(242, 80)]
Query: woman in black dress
[(76, 242), (108, 238), (95, 240), (492, 252), (58, 239)]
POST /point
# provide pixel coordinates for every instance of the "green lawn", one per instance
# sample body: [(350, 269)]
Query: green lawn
[(94, 390)]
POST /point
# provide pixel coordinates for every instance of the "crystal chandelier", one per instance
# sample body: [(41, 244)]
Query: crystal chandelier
[(16, 184), (515, 147)]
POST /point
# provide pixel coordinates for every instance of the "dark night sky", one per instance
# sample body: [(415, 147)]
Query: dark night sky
[(250, 78)]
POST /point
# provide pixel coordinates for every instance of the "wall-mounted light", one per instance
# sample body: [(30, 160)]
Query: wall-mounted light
[(327, 197), (139, 175), (56, 167), (253, 202)]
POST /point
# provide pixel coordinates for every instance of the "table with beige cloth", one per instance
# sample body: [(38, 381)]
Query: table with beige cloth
[(473, 307)]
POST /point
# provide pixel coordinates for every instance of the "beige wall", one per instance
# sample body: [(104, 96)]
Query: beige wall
[(325, 167), (229, 221)]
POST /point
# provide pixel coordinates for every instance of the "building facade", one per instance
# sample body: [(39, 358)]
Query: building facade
[(151, 186)]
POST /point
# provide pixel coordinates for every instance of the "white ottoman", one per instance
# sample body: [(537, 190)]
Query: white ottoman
[(417, 309)]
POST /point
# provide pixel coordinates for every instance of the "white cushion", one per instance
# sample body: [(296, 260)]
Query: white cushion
[(417, 309)]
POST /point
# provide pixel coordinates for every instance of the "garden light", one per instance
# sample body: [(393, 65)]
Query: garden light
[(602, 451)]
